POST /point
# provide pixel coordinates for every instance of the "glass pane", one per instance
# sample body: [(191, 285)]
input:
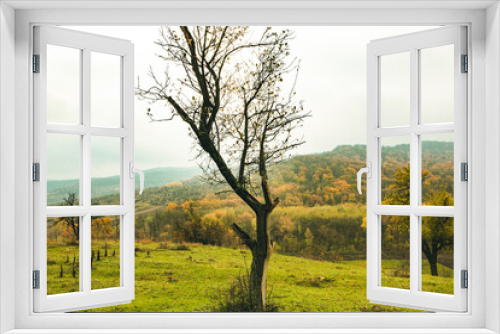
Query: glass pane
[(63, 85), (437, 169), (396, 251), (105, 256), (395, 155), (63, 169), (105, 170), (437, 82), (437, 254), (105, 90), (395, 89), (63, 255)]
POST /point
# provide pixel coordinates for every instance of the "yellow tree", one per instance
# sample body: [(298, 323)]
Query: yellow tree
[(102, 228), (437, 232)]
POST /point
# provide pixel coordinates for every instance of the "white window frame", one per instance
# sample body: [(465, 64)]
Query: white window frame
[(483, 101)]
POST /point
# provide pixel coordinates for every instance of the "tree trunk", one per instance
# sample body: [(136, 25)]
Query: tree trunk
[(432, 257), (433, 263), (261, 254)]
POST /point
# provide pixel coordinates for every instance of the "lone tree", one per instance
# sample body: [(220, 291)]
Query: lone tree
[(230, 94), (71, 222)]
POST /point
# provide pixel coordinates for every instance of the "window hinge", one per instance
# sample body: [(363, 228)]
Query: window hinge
[(36, 63), (36, 172), (465, 64), (465, 279), (464, 171), (36, 279)]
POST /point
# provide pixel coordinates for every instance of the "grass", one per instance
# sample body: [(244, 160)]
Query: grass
[(63, 267), (396, 274), (191, 279), (105, 265)]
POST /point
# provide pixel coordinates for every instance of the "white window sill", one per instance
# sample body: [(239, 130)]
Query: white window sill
[(251, 331)]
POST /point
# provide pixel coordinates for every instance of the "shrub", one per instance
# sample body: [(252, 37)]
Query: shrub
[(180, 247), (237, 297), (162, 245)]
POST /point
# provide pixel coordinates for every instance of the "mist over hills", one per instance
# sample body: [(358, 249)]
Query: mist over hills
[(155, 177)]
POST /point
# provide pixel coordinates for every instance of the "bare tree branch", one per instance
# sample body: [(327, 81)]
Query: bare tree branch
[(245, 238)]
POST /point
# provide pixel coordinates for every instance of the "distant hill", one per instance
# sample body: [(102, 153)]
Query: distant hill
[(330, 177), (326, 178), (155, 177)]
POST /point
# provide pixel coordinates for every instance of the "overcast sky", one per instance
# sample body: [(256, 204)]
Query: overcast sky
[(332, 83)]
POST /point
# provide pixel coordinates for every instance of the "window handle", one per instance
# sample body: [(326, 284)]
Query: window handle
[(134, 170), (368, 171)]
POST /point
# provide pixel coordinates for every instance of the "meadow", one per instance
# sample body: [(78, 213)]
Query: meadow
[(193, 278)]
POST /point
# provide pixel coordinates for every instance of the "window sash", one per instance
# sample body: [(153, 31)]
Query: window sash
[(86, 297), (414, 298)]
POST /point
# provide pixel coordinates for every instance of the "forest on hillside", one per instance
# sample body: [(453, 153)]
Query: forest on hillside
[(321, 215)]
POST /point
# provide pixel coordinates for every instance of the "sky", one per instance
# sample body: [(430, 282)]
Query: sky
[(331, 82)]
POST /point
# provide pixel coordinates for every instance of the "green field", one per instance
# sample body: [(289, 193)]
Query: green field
[(170, 278)]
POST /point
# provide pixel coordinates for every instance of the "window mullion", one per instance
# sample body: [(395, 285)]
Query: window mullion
[(85, 179), (85, 159), (85, 254), (414, 171)]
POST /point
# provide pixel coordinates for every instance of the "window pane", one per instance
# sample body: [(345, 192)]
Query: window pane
[(437, 254), (395, 155), (105, 256), (395, 89), (105, 170), (396, 251), (63, 169), (437, 169), (437, 84), (63, 85), (63, 255), (105, 90)]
